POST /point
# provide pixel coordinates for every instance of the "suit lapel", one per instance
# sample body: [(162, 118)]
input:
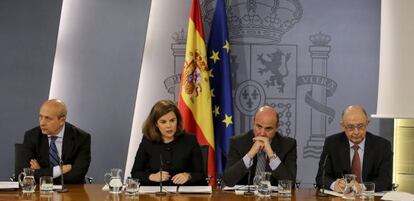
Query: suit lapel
[(44, 151), (345, 154), (368, 153), (67, 145)]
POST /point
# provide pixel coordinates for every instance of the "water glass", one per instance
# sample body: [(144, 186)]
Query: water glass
[(368, 190), (46, 184), (350, 186), (264, 188), (132, 186), (285, 188)]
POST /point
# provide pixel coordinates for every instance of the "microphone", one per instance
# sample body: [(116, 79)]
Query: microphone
[(249, 192), (321, 193), (63, 190), (160, 193)]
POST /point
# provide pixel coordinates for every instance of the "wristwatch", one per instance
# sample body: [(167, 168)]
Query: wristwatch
[(274, 156)]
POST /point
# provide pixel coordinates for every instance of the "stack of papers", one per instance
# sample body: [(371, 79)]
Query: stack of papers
[(246, 188), (176, 189), (154, 189), (403, 196), (9, 185), (195, 189)]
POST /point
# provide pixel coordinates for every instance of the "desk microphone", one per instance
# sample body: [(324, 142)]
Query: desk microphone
[(63, 190), (160, 193), (249, 192), (321, 193)]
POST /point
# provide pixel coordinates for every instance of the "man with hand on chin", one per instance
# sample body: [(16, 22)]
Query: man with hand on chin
[(355, 151), (55, 141), (261, 149)]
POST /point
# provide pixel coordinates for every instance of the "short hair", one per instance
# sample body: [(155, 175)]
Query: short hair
[(274, 109), (354, 106), (162, 107)]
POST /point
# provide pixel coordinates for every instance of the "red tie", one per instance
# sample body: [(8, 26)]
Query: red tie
[(356, 164)]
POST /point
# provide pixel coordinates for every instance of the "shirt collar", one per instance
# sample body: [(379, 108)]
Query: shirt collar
[(361, 144), (60, 134)]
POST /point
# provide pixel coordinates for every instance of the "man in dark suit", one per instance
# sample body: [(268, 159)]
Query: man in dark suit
[(54, 142), (261, 149), (355, 151)]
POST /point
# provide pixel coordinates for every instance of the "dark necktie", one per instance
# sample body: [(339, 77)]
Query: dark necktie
[(356, 164), (53, 152), (261, 163)]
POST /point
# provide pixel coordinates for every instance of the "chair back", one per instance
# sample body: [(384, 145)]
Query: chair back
[(19, 164), (204, 154)]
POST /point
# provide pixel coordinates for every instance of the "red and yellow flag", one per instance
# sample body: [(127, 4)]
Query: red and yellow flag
[(195, 95)]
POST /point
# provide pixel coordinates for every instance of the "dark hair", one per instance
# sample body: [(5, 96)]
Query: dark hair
[(162, 107)]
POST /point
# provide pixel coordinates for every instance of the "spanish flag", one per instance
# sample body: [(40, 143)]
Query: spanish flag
[(195, 95)]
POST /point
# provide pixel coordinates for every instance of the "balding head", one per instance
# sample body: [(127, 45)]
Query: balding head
[(354, 123), (266, 122), (52, 116)]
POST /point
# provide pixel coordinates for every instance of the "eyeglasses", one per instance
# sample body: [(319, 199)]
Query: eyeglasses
[(351, 127)]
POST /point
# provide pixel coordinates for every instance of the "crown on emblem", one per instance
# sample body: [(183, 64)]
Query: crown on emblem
[(268, 20), (179, 37), (320, 39)]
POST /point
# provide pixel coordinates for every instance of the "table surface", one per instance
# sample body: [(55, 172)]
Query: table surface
[(94, 192)]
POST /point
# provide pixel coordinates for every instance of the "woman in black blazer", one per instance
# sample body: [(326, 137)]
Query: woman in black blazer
[(167, 152)]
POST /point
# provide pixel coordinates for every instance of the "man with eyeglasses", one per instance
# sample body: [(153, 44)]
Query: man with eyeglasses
[(355, 151), (261, 149)]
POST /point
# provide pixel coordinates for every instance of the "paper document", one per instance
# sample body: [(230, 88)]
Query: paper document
[(246, 188), (195, 189), (329, 192), (154, 189), (400, 196), (9, 185), (57, 187)]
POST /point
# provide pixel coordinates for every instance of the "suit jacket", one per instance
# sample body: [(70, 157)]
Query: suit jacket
[(377, 161), (76, 150), (181, 155), (236, 171)]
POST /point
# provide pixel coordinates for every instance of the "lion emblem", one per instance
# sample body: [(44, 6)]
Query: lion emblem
[(277, 66)]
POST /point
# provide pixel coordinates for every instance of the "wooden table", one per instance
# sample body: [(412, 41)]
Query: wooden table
[(93, 192)]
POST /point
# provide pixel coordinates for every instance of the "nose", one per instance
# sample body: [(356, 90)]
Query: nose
[(260, 132)]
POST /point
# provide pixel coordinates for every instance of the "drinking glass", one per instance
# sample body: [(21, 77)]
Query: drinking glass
[(368, 190), (285, 188), (350, 188), (46, 184), (132, 186)]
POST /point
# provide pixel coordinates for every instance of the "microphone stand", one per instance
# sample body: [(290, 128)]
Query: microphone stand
[(321, 193), (160, 193), (249, 192), (63, 190)]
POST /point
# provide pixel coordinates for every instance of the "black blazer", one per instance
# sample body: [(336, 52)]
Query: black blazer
[(377, 161), (76, 150), (237, 173), (181, 155)]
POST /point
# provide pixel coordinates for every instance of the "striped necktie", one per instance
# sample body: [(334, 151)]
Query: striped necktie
[(261, 163), (53, 152)]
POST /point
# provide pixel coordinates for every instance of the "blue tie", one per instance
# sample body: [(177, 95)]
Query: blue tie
[(53, 152)]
